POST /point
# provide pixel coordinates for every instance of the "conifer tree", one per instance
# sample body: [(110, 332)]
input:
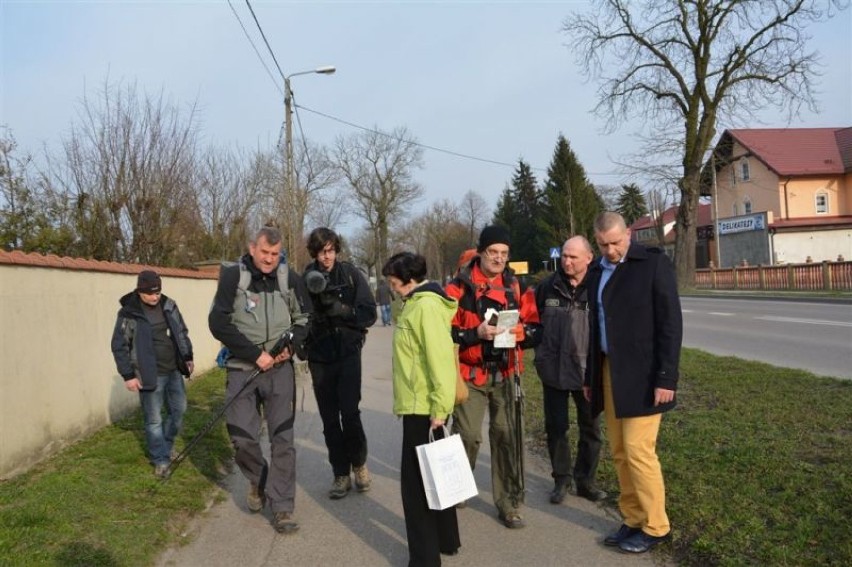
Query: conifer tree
[(631, 203)]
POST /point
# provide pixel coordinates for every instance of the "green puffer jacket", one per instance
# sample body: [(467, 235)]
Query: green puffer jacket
[(424, 364)]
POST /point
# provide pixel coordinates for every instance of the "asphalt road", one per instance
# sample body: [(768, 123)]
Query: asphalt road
[(796, 334)]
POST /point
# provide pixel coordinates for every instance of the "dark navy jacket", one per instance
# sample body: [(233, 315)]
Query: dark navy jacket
[(644, 328)]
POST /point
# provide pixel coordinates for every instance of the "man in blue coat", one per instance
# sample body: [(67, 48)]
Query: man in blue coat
[(632, 372)]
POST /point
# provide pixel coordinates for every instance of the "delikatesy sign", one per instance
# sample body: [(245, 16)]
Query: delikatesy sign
[(742, 224)]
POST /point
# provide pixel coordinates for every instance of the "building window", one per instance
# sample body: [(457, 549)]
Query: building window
[(747, 206), (821, 203), (734, 209), (744, 170), (733, 175)]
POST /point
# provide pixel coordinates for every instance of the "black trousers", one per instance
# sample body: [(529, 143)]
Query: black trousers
[(429, 532), (337, 387), (556, 427)]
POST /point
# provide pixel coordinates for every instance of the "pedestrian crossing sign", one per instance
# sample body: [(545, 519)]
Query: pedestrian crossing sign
[(554, 253)]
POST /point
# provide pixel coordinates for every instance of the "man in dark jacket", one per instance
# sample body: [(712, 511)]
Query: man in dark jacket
[(260, 299), (343, 310), (560, 360), (152, 351), (632, 372)]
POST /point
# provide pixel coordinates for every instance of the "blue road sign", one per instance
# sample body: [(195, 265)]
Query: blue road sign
[(554, 253)]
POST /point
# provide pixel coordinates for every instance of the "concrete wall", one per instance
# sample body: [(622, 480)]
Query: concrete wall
[(824, 245), (58, 381)]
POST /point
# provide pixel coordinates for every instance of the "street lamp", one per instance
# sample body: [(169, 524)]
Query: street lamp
[(288, 137)]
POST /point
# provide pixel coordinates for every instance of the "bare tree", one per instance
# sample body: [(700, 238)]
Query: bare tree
[(474, 213), (684, 66), (128, 165), (379, 169)]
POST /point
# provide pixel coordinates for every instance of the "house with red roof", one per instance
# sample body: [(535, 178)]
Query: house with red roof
[(661, 231), (783, 195)]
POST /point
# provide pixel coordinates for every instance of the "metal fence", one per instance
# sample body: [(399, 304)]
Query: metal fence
[(793, 277)]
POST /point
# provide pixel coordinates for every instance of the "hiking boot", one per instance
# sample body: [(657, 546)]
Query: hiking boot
[(254, 499), (513, 520), (284, 523), (341, 487), (591, 493), (560, 489), (362, 478), (162, 471)]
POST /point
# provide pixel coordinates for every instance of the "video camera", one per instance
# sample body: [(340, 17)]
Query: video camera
[(286, 341), (318, 285)]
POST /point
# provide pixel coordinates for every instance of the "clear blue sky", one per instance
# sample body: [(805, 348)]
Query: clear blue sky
[(490, 79)]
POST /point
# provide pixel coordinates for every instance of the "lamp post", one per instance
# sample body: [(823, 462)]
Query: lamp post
[(288, 137)]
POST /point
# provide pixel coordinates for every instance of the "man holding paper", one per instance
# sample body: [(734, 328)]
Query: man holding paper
[(488, 292)]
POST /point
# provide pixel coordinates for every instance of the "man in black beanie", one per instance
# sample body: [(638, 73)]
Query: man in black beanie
[(152, 351), (488, 283)]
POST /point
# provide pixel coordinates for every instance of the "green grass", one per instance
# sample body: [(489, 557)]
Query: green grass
[(757, 462), (98, 502)]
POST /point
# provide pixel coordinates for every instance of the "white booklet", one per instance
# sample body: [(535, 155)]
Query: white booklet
[(504, 320)]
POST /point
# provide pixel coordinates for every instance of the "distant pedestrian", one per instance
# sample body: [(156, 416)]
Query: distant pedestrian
[(383, 300), (632, 372), (424, 379), (152, 351)]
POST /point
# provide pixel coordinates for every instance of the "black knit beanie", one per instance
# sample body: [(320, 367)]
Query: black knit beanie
[(493, 234), (148, 282)]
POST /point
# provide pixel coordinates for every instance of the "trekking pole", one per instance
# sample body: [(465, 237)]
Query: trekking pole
[(284, 342), (519, 419)]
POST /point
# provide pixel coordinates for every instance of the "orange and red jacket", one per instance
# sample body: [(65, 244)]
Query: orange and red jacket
[(475, 294)]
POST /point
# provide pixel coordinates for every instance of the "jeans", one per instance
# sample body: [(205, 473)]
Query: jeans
[(386, 314), (159, 433)]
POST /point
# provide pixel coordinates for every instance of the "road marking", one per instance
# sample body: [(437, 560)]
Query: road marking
[(808, 321), (720, 313), (686, 310)]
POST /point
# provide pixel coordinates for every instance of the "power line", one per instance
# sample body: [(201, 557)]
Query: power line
[(263, 35), (304, 140), (413, 143), (262, 62)]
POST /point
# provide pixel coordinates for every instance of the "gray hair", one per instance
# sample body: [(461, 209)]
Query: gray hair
[(583, 241), (269, 233)]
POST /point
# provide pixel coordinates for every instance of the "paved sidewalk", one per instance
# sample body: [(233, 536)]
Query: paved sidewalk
[(368, 529)]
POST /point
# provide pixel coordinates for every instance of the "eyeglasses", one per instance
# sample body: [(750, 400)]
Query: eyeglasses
[(495, 256)]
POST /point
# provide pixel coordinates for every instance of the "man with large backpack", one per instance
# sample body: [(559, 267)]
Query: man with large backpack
[(343, 310), (260, 299), (488, 283)]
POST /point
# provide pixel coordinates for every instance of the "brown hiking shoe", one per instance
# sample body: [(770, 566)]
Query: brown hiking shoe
[(362, 478), (341, 487), (254, 499), (283, 523)]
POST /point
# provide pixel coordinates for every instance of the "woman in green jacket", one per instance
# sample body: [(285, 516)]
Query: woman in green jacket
[(424, 378)]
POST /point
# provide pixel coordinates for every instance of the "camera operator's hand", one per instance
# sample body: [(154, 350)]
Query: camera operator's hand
[(338, 309), (264, 361)]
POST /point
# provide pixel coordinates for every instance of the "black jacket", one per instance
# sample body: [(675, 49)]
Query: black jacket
[(644, 328), (133, 341), (341, 314), (560, 358)]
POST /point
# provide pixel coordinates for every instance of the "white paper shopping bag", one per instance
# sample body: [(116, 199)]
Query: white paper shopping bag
[(447, 478)]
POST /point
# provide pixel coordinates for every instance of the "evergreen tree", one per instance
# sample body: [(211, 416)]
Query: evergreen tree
[(570, 202), (631, 203), (518, 210)]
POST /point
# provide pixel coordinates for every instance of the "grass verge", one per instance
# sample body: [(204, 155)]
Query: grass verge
[(97, 503), (757, 462)]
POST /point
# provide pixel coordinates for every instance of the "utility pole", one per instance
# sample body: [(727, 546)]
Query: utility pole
[(716, 212), (289, 169)]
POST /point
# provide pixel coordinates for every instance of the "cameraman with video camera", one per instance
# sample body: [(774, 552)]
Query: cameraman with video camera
[(343, 310), (258, 301)]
